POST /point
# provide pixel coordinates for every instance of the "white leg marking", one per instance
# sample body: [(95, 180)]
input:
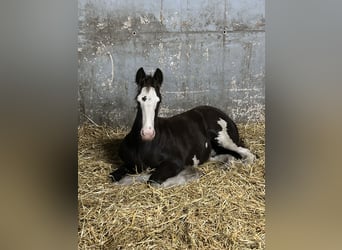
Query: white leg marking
[(249, 157), (148, 100), (187, 175), (131, 179), (221, 158), (225, 141), (195, 160)]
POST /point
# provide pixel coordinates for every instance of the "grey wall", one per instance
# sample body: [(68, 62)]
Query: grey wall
[(210, 51)]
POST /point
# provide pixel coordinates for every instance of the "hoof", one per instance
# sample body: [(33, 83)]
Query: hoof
[(153, 183), (114, 177)]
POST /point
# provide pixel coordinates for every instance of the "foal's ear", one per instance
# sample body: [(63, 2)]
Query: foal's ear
[(158, 76), (140, 75)]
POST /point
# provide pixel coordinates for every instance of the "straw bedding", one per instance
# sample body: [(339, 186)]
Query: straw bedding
[(224, 209)]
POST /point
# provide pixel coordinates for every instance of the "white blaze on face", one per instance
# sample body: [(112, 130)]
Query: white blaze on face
[(148, 100)]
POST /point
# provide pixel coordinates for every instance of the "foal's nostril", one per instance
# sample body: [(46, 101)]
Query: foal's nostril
[(147, 133)]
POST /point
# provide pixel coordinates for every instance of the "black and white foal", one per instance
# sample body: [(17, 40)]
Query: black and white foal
[(170, 145)]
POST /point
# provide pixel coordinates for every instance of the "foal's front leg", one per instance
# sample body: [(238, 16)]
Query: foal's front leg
[(165, 170), (123, 170)]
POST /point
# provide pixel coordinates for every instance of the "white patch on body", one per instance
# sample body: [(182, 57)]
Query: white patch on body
[(206, 144), (195, 160), (148, 100), (225, 141)]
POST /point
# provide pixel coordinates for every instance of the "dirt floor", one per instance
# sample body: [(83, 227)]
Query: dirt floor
[(224, 209)]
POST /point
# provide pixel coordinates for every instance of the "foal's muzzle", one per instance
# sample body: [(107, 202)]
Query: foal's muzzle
[(147, 134)]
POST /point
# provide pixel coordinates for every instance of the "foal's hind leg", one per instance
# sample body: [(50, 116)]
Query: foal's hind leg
[(227, 143)]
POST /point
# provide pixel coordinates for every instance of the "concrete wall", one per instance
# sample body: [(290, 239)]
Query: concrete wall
[(210, 51)]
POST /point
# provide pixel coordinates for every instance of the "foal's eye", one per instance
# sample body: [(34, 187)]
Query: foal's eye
[(144, 98)]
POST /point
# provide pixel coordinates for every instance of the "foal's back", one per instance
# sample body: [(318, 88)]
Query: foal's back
[(206, 120)]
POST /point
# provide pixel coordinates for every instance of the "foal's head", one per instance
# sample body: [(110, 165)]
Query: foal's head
[(148, 99)]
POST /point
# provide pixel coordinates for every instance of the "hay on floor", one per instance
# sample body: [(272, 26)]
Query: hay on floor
[(224, 209)]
